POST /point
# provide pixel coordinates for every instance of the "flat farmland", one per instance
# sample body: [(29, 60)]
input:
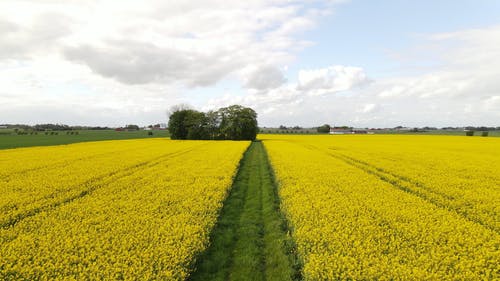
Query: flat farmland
[(285, 207), (391, 207), (135, 209), (9, 139)]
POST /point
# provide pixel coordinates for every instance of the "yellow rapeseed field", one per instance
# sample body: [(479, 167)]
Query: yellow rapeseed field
[(367, 207), (136, 209)]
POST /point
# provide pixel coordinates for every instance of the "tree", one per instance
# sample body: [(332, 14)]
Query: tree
[(179, 123), (238, 123), (230, 123), (213, 124), (132, 127), (197, 125), (324, 129)]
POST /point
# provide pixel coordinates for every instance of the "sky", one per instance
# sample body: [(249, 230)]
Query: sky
[(359, 63)]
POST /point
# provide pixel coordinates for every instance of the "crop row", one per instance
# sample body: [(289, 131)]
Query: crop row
[(149, 222), (353, 221), (457, 173), (83, 170)]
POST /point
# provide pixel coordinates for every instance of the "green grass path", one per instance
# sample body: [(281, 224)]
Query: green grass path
[(250, 240)]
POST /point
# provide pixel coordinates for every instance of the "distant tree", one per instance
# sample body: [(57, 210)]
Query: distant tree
[(132, 127), (231, 123), (213, 124), (238, 123), (196, 125), (177, 123), (51, 127), (324, 129)]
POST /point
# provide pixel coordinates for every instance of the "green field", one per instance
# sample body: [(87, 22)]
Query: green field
[(9, 139), (250, 240)]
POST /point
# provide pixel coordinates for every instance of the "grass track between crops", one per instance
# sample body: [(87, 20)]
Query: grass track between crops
[(250, 240)]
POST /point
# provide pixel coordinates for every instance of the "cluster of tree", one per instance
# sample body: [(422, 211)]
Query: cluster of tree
[(52, 127), (154, 126), (90, 128), (16, 126), (228, 123), (132, 127), (282, 127), (324, 128), (482, 128)]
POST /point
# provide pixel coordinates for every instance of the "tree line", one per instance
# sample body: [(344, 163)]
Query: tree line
[(52, 127), (227, 123)]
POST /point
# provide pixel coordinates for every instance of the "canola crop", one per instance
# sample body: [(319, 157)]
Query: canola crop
[(133, 210), (391, 207)]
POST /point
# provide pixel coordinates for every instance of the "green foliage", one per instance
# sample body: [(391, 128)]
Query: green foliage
[(197, 126), (469, 133), (178, 124), (132, 127), (484, 134), (229, 123), (324, 129), (51, 127), (238, 123)]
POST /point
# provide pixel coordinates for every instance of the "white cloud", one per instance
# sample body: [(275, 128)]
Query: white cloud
[(153, 41), (293, 101), (368, 108), (39, 35), (107, 55), (132, 60), (264, 78), (331, 79), (462, 90)]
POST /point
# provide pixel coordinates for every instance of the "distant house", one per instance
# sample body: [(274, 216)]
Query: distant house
[(359, 131), (344, 131), (3, 127), (340, 131)]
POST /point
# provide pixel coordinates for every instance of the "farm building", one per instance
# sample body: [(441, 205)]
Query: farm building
[(343, 131), (339, 131)]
